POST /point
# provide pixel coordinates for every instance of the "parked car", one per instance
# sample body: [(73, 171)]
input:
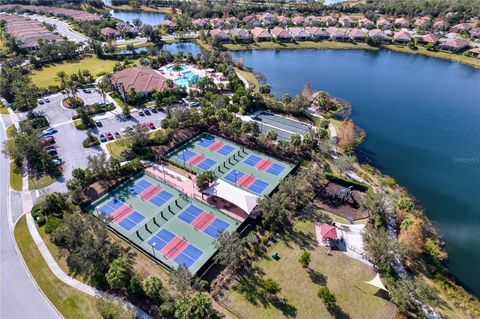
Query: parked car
[(57, 161), (98, 124), (52, 152), (51, 130), (49, 139), (50, 134), (46, 99), (86, 91), (151, 126), (40, 101), (141, 113), (117, 135), (50, 148), (153, 110), (147, 112), (109, 136), (103, 139)]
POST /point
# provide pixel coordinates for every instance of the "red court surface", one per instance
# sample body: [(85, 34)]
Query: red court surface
[(246, 180), (216, 146), (196, 159), (150, 192), (203, 220), (121, 213), (174, 248), (264, 164)]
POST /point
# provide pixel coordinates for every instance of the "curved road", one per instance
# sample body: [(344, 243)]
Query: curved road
[(19, 295)]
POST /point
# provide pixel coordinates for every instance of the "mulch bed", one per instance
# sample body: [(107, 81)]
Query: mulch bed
[(327, 200)]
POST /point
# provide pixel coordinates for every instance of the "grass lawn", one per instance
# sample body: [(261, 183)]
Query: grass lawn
[(344, 276), (15, 177), (38, 183), (116, 147), (143, 44), (69, 301), (46, 76), (251, 79), (3, 109), (10, 131)]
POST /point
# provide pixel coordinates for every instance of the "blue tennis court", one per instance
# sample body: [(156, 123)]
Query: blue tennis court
[(206, 142), (276, 169), (131, 220), (233, 176), (186, 155), (226, 149), (206, 164), (190, 213), (108, 208), (140, 186), (188, 256), (161, 198), (216, 228), (258, 186), (161, 239), (252, 160)]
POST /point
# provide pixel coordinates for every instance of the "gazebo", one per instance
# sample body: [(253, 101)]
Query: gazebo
[(328, 232)]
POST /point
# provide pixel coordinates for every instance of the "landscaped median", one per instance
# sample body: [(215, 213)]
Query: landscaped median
[(69, 301)]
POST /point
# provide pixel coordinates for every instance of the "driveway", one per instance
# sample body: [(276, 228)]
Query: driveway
[(62, 28)]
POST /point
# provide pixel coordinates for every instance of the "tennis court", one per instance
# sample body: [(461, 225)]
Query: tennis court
[(245, 168), (164, 222)]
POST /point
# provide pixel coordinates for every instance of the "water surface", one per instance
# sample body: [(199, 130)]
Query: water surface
[(152, 18), (422, 118)]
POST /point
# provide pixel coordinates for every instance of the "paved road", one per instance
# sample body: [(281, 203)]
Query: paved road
[(62, 28), (19, 296)]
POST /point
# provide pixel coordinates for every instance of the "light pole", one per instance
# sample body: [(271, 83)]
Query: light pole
[(153, 249)]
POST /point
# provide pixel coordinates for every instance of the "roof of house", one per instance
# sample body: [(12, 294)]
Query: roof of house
[(356, 33), (377, 33), (108, 32), (217, 33), (280, 33), (402, 35), (475, 50), (141, 79), (242, 33), (298, 32), (261, 33), (456, 43), (316, 31), (430, 38)]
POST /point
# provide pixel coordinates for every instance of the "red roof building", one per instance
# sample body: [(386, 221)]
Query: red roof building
[(139, 79)]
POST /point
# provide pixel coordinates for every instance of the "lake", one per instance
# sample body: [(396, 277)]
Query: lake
[(422, 119), (152, 18), (174, 48)]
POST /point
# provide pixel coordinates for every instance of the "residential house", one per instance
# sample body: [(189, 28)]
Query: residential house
[(317, 33), (298, 21), (421, 22), (313, 21), (346, 22), (357, 34), (268, 19), (280, 34), (126, 29), (440, 25), (474, 53), (461, 27), (366, 23), (217, 23), (169, 25), (139, 79), (384, 24), (454, 45), (299, 34), (240, 35), (219, 35), (110, 33), (429, 39), (402, 23), (283, 21), (261, 34), (378, 36), (200, 24), (475, 33), (402, 37), (251, 21), (232, 22), (338, 34), (329, 21)]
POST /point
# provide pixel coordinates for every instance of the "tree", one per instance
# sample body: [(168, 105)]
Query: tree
[(80, 175), (274, 212), (182, 281), (346, 135), (109, 309), (62, 78), (204, 179), (413, 238), (137, 22), (230, 250), (104, 87), (118, 273), (305, 259), (271, 286), (153, 287), (307, 91), (198, 306), (380, 249), (328, 299)]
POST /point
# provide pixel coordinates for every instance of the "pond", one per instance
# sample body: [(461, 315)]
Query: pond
[(422, 119), (174, 48), (152, 18)]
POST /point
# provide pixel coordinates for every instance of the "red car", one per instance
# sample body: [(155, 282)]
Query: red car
[(109, 136), (151, 126), (50, 139)]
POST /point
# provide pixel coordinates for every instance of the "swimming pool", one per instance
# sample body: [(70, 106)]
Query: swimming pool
[(188, 78), (181, 68)]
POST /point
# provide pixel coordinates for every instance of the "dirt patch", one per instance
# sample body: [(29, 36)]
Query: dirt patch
[(341, 201)]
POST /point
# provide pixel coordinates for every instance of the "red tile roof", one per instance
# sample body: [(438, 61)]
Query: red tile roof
[(141, 79)]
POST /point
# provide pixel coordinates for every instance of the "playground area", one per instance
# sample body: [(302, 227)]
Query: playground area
[(244, 168), (164, 222)]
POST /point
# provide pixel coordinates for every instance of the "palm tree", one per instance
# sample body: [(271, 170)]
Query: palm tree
[(72, 88), (230, 250), (61, 77), (103, 87)]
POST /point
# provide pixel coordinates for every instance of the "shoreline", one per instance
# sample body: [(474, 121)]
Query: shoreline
[(331, 45), (126, 7)]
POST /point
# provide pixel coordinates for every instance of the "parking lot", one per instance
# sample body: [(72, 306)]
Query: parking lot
[(69, 139)]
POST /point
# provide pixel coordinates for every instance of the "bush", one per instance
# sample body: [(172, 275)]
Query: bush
[(110, 310), (204, 179), (38, 215), (153, 287), (328, 298), (91, 141), (305, 259), (135, 287), (52, 224), (271, 286)]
